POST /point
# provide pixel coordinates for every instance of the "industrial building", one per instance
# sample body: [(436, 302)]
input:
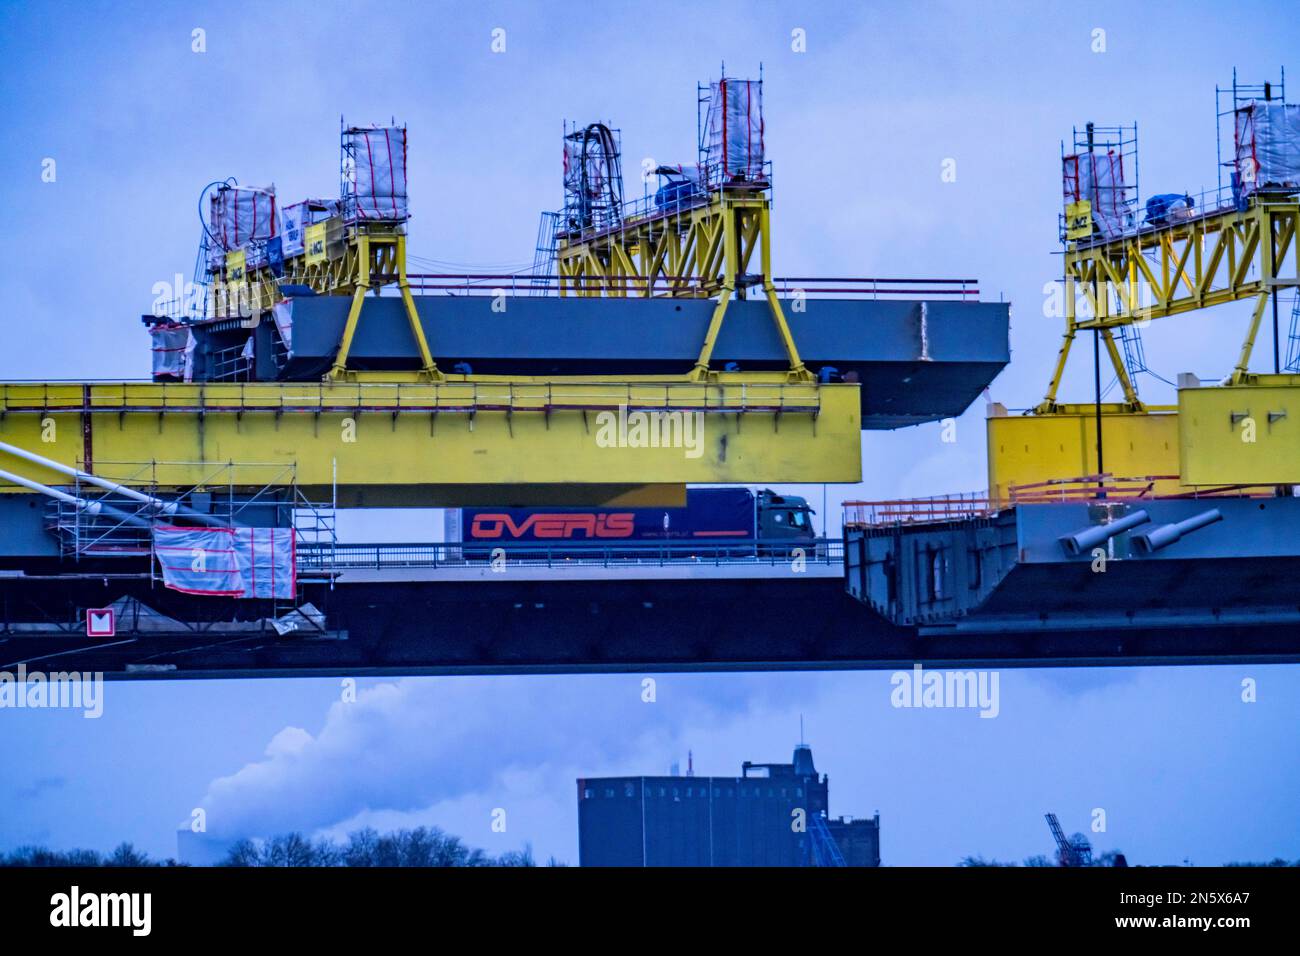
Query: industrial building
[(771, 815)]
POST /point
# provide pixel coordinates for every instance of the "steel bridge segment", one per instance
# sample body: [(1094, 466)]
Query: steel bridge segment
[(917, 361), (516, 627)]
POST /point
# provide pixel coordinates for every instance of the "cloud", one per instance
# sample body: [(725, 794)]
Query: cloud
[(404, 747)]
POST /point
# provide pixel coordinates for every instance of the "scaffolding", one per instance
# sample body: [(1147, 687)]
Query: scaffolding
[(99, 522), (730, 134), (539, 281), (1100, 202), (1237, 97)]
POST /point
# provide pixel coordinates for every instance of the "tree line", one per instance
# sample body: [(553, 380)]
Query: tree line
[(422, 846)]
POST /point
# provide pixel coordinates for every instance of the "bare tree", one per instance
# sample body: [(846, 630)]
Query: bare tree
[(126, 855), (243, 853)]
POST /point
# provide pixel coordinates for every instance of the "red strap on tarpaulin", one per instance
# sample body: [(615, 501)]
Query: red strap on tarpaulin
[(392, 174)]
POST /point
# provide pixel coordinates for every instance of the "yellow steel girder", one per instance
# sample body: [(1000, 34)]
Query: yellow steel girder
[(453, 433)]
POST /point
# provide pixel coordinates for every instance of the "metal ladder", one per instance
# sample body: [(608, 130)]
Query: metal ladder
[(544, 254), (1293, 338)]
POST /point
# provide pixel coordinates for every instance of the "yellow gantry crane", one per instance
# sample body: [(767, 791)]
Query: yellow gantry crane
[(1228, 255), (1238, 243), (337, 259), (697, 247)]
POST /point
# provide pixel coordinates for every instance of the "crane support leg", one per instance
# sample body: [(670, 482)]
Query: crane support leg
[(797, 370), (701, 369), (427, 365), (1049, 400), (340, 366), (1243, 363)]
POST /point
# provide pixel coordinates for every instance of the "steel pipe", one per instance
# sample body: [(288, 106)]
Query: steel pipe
[(1086, 539), (1166, 534)]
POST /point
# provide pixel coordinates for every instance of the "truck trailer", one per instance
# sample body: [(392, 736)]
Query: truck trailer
[(735, 521)]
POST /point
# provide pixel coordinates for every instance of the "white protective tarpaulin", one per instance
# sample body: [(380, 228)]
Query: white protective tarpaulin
[(1267, 139), (198, 560), (242, 214), (735, 131), (377, 186), (267, 562), (169, 350), (228, 562), (190, 344), (1099, 178), (295, 219), (282, 313)]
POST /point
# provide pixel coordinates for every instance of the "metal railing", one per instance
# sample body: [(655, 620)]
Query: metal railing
[(1204, 204), (936, 508), (394, 398), (1111, 488), (571, 553), (1083, 488), (963, 289), (533, 283), (527, 283)]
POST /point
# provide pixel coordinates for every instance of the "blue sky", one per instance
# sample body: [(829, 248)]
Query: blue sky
[(858, 127)]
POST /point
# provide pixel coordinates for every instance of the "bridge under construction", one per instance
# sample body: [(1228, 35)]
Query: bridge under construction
[(307, 370)]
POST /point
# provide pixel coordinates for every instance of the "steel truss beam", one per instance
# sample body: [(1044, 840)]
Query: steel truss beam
[(1214, 259)]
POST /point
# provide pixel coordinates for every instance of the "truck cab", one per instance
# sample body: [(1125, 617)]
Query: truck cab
[(784, 517)]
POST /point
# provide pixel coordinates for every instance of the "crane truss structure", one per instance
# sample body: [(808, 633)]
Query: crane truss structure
[(337, 260), (698, 248), (1223, 256)]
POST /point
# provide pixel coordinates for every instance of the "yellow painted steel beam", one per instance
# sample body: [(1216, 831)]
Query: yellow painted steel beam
[(1027, 449), (1241, 369), (1241, 434), (764, 234), (450, 433), (427, 365)]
